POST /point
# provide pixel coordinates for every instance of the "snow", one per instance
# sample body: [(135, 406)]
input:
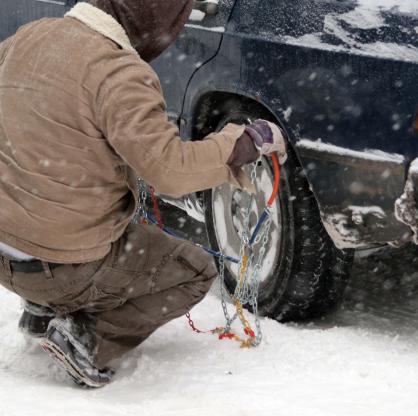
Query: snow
[(367, 154), (363, 18), (217, 29), (287, 114), (362, 361), (197, 16), (404, 6), (414, 167), (343, 236), (406, 209), (358, 213), (189, 204), (340, 225), (366, 15)]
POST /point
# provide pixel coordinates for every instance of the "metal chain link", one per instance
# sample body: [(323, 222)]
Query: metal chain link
[(256, 282), (228, 319), (246, 291), (141, 206)]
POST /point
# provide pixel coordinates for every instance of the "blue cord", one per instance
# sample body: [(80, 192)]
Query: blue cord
[(261, 221), (169, 231), (214, 253)]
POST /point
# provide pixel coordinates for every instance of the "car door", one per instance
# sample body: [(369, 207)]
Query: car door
[(15, 13), (196, 45)]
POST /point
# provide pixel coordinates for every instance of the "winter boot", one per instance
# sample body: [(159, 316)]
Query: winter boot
[(66, 343), (35, 319)]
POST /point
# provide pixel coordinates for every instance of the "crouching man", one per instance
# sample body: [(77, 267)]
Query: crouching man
[(82, 115)]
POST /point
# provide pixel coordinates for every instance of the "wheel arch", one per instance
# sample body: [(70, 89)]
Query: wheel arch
[(213, 107)]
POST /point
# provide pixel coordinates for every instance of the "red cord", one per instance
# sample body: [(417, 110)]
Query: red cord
[(227, 335), (156, 208), (276, 186)]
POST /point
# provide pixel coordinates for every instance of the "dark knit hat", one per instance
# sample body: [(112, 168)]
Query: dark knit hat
[(151, 25)]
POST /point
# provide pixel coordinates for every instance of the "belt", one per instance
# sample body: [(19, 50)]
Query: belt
[(34, 266)]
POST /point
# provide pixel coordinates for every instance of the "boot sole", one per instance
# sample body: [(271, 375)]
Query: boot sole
[(65, 362)]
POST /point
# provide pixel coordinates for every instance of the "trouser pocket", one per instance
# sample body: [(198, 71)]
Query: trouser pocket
[(72, 286), (185, 264), (36, 287), (110, 289)]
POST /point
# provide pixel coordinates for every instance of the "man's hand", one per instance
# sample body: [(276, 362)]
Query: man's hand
[(259, 138), (267, 138)]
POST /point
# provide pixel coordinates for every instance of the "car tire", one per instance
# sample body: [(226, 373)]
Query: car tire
[(309, 273)]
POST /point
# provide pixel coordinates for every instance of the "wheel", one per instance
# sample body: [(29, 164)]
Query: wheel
[(303, 275)]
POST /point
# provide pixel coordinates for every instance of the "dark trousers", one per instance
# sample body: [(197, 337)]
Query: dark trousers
[(146, 280)]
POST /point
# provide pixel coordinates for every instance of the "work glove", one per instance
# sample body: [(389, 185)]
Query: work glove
[(267, 138), (259, 138)]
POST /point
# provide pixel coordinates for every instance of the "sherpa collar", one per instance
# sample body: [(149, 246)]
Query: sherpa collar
[(103, 23)]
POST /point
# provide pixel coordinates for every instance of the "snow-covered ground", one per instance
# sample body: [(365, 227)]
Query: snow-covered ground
[(361, 361)]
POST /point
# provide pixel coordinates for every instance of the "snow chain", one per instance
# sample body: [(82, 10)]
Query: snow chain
[(246, 291)]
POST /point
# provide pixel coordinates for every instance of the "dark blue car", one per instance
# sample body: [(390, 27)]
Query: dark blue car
[(341, 79)]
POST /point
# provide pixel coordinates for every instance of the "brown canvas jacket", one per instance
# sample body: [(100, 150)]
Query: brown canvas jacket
[(81, 115)]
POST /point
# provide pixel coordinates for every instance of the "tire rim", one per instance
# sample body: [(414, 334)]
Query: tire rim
[(229, 206)]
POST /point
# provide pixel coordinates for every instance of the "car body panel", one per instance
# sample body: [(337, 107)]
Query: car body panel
[(177, 65), (15, 13), (349, 112)]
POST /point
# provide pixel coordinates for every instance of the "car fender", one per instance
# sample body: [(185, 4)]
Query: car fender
[(358, 210)]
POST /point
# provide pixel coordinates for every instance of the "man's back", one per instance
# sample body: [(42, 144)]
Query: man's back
[(60, 179)]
